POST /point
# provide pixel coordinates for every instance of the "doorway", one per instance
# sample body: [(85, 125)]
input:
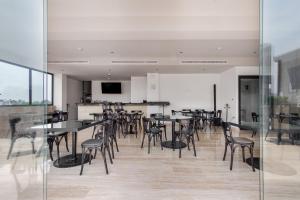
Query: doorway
[(248, 97)]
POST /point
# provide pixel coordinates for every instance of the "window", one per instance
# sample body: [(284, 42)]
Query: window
[(23, 86)]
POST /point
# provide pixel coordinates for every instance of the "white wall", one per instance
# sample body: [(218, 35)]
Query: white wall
[(193, 91), (229, 89), (138, 89), (74, 94), (98, 96), (60, 92)]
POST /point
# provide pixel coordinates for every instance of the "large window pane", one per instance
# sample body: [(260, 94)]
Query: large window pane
[(41, 88), (37, 87), (14, 85)]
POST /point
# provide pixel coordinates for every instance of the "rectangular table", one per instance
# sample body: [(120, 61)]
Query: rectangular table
[(74, 127)]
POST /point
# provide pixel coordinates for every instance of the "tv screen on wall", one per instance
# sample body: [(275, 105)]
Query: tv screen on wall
[(111, 88)]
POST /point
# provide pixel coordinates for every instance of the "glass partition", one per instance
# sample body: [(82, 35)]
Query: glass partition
[(280, 97), (24, 99)]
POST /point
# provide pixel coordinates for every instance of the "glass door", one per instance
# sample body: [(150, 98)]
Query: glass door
[(280, 99), (24, 99)]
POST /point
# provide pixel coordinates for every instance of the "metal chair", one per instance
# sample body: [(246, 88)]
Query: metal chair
[(20, 132), (151, 131), (235, 142), (101, 144), (186, 130)]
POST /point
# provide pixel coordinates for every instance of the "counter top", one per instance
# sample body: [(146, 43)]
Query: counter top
[(150, 103)]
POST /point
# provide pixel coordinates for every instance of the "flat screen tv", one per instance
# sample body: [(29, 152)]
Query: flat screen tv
[(294, 74), (111, 88)]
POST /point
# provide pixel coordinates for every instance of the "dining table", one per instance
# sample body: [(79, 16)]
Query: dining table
[(73, 126), (173, 144)]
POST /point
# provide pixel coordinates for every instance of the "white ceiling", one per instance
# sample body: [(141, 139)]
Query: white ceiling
[(97, 32)]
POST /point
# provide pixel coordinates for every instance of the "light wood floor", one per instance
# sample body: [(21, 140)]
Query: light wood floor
[(136, 174)]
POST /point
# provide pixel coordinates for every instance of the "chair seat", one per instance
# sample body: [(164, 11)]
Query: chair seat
[(55, 134), (92, 143), (242, 140), (155, 130)]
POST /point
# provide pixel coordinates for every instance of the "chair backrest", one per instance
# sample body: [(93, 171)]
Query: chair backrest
[(227, 131), (186, 125), (186, 110), (254, 117), (147, 124), (118, 106)]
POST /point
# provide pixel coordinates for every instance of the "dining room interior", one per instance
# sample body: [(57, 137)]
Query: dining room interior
[(137, 99)]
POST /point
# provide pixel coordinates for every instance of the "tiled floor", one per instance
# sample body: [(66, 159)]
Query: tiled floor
[(158, 175)]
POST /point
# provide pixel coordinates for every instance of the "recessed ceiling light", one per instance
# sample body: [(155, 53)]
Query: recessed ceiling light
[(180, 52), (219, 48), (112, 52), (80, 49), (254, 52)]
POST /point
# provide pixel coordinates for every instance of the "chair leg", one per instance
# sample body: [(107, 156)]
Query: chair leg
[(252, 161), (112, 148), (180, 146), (50, 144), (66, 140), (232, 154), (197, 135), (143, 141), (32, 144), (154, 137), (90, 156), (160, 137), (149, 141), (57, 141), (82, 160), (95, 154), (115, 139), (225, 151), (193, 142), (109, 154), (188, 142), (243, 152), (11, 148), (165, 130), (103, 153)]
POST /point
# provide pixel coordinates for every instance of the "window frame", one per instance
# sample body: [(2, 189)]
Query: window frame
[(30, 85)]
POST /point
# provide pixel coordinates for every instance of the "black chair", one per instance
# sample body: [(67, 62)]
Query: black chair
[(57, 137), (208, 120), (139, 117), (254, 116), (101, 144), (235, 142), (118, 107), (112, 134), (131, 124), (158, 124), (106, 106), (19, 133), (186, 131), (151, 131)]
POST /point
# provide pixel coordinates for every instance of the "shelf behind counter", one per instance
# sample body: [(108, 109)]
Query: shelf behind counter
[(84, 109)]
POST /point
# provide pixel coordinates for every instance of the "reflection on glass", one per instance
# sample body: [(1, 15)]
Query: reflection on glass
[(281, 99), (14, 84)]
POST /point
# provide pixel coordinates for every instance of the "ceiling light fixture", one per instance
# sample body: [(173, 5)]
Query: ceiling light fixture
[(112, 52), (180, 52), (219, 48), (80, 49)]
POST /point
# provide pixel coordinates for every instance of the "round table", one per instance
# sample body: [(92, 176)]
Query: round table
[(173, 144)]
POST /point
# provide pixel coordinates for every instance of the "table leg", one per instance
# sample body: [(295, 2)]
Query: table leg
[(73, 159), (173, 135), (74, 144)]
